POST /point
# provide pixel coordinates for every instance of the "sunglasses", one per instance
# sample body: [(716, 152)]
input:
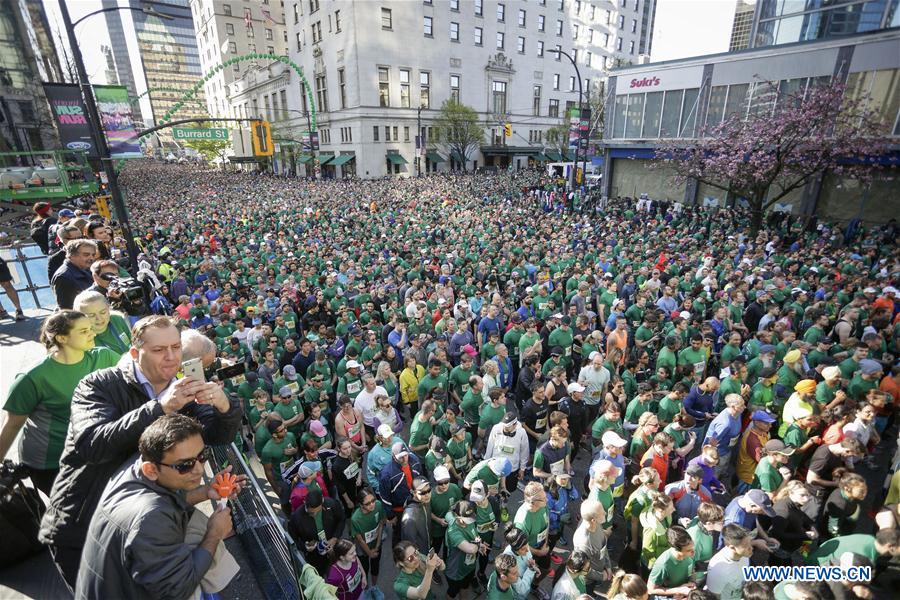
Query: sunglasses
[(411, 558), (187, 465)]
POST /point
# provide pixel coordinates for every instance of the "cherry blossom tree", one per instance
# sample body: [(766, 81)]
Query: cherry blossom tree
[(766, 155)]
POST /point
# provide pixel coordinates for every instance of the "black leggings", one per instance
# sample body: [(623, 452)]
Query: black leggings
[(371, 566), (454, 587)]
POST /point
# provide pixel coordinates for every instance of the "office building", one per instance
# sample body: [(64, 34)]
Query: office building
[(777, 22), (742, 26), (226, 30), (124, 74), (678, 99), (380, 71), (27, 58)]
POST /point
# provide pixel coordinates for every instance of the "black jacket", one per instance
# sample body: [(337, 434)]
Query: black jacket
[(789, 525), (302, 525), (110, 410), (68, 282)]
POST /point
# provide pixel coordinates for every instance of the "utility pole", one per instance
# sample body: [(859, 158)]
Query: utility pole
[(99, 139), (580, 112)]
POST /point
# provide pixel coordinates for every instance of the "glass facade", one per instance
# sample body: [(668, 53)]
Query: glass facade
[(787, 21), (169, 55)]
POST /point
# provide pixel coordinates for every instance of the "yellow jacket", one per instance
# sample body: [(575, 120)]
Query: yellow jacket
[(409, 384)]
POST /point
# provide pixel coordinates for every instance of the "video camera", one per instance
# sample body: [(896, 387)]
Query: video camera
[(126, 294)]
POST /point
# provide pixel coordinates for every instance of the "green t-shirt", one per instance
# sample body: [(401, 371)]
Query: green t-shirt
[(857, 543), (703, 543), (668, 408), (490, 416), (404, 581), (470, 404), (668, 571), (535, 524), (459, 564), (117, 336), (440, 505), (44, 394), (495, 593), (459, 380), (273, 454), (366, 525), (420, 433), (766, 477), (695, 358)]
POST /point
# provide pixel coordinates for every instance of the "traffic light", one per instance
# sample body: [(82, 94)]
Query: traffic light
[(507, 129), (261, 135)]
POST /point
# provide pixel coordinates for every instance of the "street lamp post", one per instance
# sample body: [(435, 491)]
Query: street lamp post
[(580, 111), (312, 147), (96, 127), (421, 141)]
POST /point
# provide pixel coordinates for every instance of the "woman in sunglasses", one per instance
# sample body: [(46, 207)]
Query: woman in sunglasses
[(415, 572)]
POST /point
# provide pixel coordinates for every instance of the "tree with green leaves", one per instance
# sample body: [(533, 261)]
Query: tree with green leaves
[(458, 129), (209, 149)]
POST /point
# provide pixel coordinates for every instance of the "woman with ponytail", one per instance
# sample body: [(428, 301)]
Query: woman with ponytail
[(40, 399), (627, 586)]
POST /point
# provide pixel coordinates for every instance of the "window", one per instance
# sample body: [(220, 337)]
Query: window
[(387, 133), (428, 26), (634, 26), (572, 84), (558, 53), (562, 5), (284, 104), (590, 36), (454, 31), (608, 17), (577, 7), (621, 22), (229, 29), (299, 42), (321, 93), (384, 86), (269, 35), (541, 23), (588, 58), (619, 44), (479, 36), (424, 90), (270, 49), (559, 27), (232, 47), (521, 17), (556, 81), (313, 6), (593, 12), (406, 134), (342, 86), (501, 13), (479, 8), (454, 5), (499, 97), (317, 32), (520, 45), (540, 48), (396, 131), (387, 22), (575, 56), (536, 101), (454, 87), (554, 108), (404, 88), (337, 21), (575, 32), (631, 47), (226, 10), (375, 133), (605, 40), (296, 12), (500, 37)]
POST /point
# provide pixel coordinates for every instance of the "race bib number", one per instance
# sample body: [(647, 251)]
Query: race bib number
[(507, 450), (351, 471), (353, 387), (356, 580), (239, 380), (542, 537), (699, 367), (733, 441), (558, 467), (540, 423), (289, 324), (371, 536), (459, 463), (568, 351), (465, 388), (470, 559), (294, 387)]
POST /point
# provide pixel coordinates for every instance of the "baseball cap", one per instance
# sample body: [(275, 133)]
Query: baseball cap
[(317, 429), (694, 470), (304, 471), (761, 499), (285, 392), (779, 447), (66, 213), (575, 387), (289, 372), (384, 431), (556, 351), (501, 466), (352, 364), (611, 438), (478, 492), (767, 349), (398, 450), (468, 349), (441, 474), (869, 366), (764, 416)]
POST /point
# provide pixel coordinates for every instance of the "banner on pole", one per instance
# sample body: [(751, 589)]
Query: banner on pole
[(117, 120), (70, 116)]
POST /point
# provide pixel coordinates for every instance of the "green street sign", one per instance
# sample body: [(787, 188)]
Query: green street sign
[(188, 133)]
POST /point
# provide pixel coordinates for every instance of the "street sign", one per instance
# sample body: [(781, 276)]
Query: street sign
[(190, 133), (102, 203)]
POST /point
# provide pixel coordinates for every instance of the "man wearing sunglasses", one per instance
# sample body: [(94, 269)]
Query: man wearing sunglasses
[(136, 546), (110, 410)]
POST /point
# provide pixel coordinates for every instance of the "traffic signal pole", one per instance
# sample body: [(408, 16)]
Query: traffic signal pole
[(99, 139)]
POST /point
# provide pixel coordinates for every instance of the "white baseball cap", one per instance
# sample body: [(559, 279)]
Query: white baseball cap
[(352, 364), (611, 438), (575, 387)]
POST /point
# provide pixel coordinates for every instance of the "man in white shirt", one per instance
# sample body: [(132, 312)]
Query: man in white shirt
[(508, 439), (365, 400), (595, 379), (724, 576)]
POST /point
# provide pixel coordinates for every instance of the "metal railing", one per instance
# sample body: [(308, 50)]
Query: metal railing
[(275, 559), (28, 266)]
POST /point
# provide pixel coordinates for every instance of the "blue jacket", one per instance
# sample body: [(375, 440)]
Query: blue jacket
[(392, 484), (556, 507)]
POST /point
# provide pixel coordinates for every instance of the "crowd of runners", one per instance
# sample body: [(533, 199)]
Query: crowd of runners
[(505, 389)]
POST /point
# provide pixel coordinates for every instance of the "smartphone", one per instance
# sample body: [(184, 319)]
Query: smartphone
[(231, 371), (193, 369)]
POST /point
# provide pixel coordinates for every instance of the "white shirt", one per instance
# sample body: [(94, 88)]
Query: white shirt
[(593, 381), (365, 404), (515, 447), (724, 576)]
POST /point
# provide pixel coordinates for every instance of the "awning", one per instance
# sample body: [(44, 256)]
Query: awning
[(246, 159), (324, 159), (304, 159), (539, 157), (396, 159), (553, 155), (457, 157), (570, 155), (435, 157), (343, 158)]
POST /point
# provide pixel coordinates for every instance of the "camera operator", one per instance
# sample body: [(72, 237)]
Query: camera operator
[(103, 271)]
